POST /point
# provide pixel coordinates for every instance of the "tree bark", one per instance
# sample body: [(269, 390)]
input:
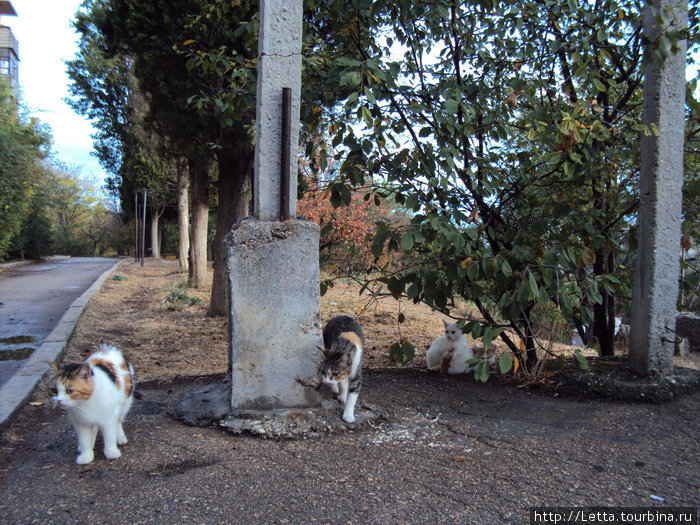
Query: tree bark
[(183, 212), (604, 313), (235, 175), (200, 217), (155, 234)]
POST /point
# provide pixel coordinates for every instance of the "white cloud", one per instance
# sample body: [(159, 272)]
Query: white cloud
[(46, 39)]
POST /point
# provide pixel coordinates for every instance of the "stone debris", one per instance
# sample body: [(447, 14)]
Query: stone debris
[(299, 423)]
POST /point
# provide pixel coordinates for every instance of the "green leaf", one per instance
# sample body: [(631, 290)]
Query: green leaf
[(413, 290), (412, 202), (407, 241), (533, 284), (396, 287), (488, 337), (582, 361), (402, 352), (473, 271), (505, 363), (367, 116), (482, 371), (451, 106), (599, 85), (325, 285)]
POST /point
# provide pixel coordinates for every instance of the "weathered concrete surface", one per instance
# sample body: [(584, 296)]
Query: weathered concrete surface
[(279, 66), (655, 290), (205, 405), (275, 321), (301, 423)]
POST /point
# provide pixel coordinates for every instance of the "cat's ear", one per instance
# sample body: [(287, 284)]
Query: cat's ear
[(53, 366), (85, 372), (445, 323)]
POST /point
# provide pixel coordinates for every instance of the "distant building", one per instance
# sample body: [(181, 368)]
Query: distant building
[(9, 50)]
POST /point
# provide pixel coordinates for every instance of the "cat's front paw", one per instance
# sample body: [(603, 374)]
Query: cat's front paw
[(85, 457), (112, 453), (349, 418)]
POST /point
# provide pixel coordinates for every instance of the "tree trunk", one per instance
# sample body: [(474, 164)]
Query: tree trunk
[(604, 313), (183, 212), (526, 323), (235, 170), (200, 218), (155, 238)]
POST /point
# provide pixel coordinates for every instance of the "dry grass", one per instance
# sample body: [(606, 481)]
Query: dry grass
[(132, 311)]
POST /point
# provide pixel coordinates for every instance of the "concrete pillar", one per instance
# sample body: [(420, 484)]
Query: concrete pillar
[(275, 320), (655, 288), (279, 66)]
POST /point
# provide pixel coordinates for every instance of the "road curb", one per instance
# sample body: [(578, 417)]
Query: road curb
[(17, 391)]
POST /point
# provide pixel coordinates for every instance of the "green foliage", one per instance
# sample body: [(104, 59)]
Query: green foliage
[(81, 219), (23, 146), (178, 298), (402, 352), (119, 278), (482, 371), (35, 238), (510, 132), (581, 361)]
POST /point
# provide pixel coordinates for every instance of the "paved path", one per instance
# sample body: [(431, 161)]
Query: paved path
[(39, 306)]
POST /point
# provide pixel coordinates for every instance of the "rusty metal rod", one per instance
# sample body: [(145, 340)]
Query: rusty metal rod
[(143, 235), (285, 212)]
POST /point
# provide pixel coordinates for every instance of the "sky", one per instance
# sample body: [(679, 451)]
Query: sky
[(46, 39)]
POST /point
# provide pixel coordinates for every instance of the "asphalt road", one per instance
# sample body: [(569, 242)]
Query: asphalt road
[(33, 298)]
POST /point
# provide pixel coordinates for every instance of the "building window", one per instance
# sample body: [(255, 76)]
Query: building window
[(5, 66)]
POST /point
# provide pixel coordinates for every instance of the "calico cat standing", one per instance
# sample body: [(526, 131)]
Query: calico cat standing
[(97, 394), (341, 368), (450, 352)]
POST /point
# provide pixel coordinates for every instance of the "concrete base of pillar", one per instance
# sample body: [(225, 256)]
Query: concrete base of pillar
[(275, 320), (301, 423)]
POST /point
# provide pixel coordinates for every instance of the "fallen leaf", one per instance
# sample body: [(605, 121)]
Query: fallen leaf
[(36, 403)]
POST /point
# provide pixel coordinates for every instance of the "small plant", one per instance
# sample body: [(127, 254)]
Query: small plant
[(119, 278), (402, 352), (178, 298)]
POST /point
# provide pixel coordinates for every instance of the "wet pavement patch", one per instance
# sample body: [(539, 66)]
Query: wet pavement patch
[(17, 340), (17, 354)]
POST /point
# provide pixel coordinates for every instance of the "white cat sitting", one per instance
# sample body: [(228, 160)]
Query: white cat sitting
[(450, 352)]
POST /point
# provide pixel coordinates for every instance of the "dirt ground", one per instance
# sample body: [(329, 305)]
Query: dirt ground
[(451, 450), (160, 337), (132, 310)]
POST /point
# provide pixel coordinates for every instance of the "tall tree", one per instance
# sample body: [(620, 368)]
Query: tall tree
[(104, 88), (24, 143), (152, 32), (222, 46), (510, 131)]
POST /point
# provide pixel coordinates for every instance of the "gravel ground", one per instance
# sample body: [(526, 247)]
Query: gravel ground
[(451, 451)]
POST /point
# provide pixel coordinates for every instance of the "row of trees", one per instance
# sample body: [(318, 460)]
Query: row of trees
[(505, 135), (46, 207)]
